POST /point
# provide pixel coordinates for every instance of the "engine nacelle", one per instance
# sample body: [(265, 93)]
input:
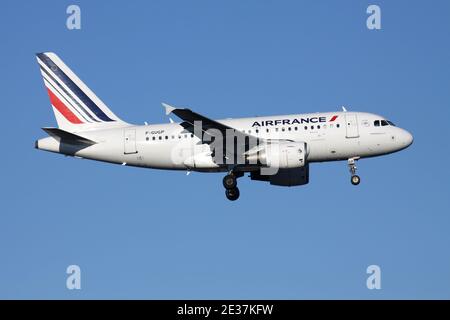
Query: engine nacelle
[(281, 154), (284, 177)]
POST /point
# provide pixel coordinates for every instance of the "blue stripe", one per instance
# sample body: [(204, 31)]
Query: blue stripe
[(68, 102), (73, 87), (69, 95)]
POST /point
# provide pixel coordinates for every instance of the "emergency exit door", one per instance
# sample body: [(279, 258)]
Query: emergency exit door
[(351, 125), (130, 141)]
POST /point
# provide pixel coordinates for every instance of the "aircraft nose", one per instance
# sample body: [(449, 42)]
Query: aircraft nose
[(406, 138)]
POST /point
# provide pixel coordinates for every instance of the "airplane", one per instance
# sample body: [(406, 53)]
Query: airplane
[(274, 149)]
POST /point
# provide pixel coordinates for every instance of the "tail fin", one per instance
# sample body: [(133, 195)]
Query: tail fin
[(75, 106)]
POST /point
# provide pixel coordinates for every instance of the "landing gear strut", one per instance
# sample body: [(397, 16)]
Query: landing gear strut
[(355, 179), (230, 184)]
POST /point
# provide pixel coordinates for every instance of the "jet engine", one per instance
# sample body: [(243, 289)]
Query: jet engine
[(280, 154)]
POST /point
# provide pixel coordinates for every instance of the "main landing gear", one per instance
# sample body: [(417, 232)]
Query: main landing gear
[(232, 194), (355, 179), (230, 184)]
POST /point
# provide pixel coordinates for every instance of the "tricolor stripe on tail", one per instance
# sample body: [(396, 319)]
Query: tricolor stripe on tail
[(76, 107)]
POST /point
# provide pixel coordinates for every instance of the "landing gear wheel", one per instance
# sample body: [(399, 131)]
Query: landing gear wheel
[(229, 181), (355, 180), (232, 194)]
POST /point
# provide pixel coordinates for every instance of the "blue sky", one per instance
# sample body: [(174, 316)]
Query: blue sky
[(140, 233)]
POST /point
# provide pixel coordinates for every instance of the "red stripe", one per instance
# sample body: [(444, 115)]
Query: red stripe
[(333, 118), (61, 107)]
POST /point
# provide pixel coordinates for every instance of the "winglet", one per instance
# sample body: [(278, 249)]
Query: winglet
[(169, 108), (343, 109)]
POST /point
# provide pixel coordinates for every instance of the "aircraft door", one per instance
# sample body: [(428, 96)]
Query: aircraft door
[(130, 141), (351, 125)]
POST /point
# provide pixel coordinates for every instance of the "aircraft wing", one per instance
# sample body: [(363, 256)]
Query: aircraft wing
[(192, 119)]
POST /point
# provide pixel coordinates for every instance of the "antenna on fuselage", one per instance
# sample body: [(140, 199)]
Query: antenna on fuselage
[(343, 109)]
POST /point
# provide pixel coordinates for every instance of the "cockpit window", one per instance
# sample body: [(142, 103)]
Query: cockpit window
[(383, 123)]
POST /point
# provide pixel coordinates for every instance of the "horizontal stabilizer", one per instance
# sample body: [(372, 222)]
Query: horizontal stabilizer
[(67, 136)]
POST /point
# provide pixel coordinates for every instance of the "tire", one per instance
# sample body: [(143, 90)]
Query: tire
[(232, 194), (229, 181), (355, 180)]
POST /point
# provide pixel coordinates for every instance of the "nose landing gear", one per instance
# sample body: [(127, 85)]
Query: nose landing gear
[(355, 179), (230, 184)]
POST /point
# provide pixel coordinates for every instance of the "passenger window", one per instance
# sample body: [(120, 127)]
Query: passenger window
[(376, 123), (306, 128), (153, 138), (312, 127), (167, 137), (257, 131), (160, 137), (146, 138), (295, 128), (318, 127), (337, 125), (267, 130), (282, 129), (276, 129), (289, 128)]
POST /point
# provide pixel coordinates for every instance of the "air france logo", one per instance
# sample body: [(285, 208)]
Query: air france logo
[(267, 123)]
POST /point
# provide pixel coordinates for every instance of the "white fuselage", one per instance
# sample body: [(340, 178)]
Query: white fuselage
[(169, 146)]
